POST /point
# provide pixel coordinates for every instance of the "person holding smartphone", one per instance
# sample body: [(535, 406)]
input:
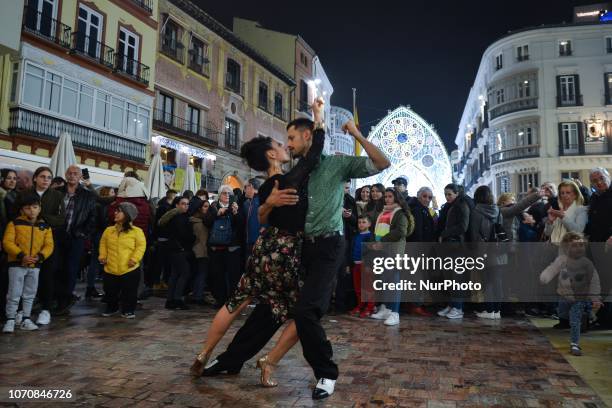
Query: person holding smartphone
[(225, 266)]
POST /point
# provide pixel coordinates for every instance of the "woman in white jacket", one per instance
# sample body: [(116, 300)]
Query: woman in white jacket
[(572, 215)]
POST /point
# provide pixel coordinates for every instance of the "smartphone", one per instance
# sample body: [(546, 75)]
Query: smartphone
[(86, 174)]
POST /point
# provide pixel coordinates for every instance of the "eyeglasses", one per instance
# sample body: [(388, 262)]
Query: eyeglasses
[(225, 193), (45, 177)]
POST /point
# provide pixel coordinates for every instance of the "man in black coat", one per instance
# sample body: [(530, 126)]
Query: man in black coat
[(424, 221)]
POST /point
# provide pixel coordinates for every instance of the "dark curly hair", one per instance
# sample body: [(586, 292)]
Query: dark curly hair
[(254, 152)]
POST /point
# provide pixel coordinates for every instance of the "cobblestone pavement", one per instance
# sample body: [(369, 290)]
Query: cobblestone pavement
[(425, 362)]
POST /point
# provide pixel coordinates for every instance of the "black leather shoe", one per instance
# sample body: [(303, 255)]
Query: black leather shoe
[(170, 305), (215, 368)]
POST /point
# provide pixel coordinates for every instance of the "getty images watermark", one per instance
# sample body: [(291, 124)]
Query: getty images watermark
[(495, 272), (411, 265)]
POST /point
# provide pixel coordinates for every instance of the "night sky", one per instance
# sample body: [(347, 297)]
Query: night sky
[(419, 53)]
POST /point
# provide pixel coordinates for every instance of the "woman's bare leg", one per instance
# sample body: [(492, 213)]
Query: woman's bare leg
[(222, 321), (267, 363), (286, 341)]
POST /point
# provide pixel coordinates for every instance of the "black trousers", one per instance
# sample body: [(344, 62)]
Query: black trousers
[(320, 260), (46, 281), (254, 334), (225, 271), (122, 289), (179, 277)]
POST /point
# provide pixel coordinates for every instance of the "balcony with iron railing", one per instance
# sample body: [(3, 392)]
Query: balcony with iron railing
[(93, 49), (569, 100), (212, 183), (515, 153), (172, 48), (45, 27), (234, 85), (199, 64), (146, 5), (183, 127), (231, 145), (131, 68), (282, 114), (514, 105), (303, 106), (29, 123)]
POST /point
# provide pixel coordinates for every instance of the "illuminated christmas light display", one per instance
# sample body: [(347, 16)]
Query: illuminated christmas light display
[(415, 151)]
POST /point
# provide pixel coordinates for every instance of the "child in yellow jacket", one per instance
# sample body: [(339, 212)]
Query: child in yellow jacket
[(28, 241), (122, 248)]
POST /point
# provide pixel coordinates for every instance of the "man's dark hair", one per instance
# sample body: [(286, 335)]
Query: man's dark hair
[(58, 180), (29, 199), (188, 194), (170, 193), (301, 124), (254, 152), (483, 195), (255, 183)]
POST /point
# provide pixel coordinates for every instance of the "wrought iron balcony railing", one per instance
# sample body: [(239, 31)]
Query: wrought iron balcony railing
[(571, 100), (199, 64), (30, 123), (515, 153), (132, 68), (183, 127), (173, 49), (93, 49), (146, 5), (44, 26), (513, 106), (231, 84)]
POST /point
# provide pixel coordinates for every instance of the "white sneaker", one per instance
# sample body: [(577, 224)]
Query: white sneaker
[(382, 314), (44, 317), (455, 314), (486, 315), (497, 315), (19, 317), (393, 319), (28, 325), (9, 326), (324, 388), (444, 312)]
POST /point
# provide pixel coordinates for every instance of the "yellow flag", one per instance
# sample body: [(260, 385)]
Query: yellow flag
[(356, 119)]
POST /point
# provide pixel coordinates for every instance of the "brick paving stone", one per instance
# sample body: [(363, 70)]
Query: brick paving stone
[(425, 362)]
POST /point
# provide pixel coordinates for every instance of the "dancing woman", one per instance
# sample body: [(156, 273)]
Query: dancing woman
[(272, 273)]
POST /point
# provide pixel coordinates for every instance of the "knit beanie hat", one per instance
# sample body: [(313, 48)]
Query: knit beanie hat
[(129, 209)]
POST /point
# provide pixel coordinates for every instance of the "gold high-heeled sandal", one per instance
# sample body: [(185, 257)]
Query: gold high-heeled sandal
[(197, 368), (267, 368)]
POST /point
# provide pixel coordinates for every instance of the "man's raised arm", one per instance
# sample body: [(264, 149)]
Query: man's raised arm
[(378, 158)]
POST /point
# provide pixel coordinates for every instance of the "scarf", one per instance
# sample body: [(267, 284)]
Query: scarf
[(559, 229)]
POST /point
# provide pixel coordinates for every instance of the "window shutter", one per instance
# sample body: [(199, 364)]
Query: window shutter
[(607, 89), (580, 137), (560, 136), (558, 90), (577, 90)]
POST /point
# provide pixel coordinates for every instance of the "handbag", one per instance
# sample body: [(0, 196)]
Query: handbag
[(221, 232)]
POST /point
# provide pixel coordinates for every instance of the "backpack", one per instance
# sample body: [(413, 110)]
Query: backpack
[(221, 232), (497, 233)]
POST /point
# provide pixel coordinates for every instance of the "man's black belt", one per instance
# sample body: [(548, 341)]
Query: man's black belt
[(313, 238)]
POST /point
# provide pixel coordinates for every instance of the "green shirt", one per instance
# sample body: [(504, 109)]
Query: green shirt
[(326, 191)]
